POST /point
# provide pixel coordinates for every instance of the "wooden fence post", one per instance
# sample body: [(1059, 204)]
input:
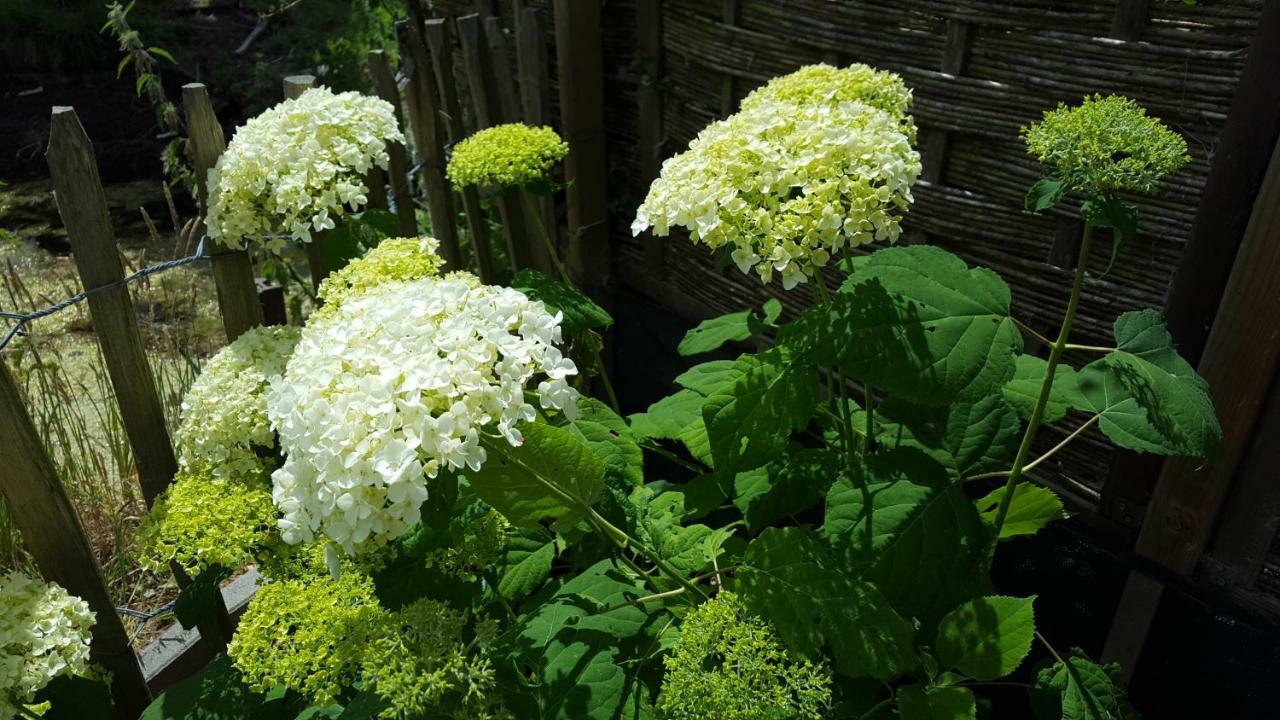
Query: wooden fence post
[(51, 532), (500, 63), (535, 100), (401, 186), (232, 269), (436, 33), (424, 119), (578, 58), (83, 207), (652, 123), (295, 85), (491, 110)]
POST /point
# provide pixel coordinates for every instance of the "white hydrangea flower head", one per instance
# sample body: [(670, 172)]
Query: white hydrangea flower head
[(398, 384), (788, 185), (298, 167), (224, 431), (44, 634)]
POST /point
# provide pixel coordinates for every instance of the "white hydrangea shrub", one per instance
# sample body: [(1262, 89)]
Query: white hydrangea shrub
[(44, 634), (298, 166), (224, 421), (398, 384)]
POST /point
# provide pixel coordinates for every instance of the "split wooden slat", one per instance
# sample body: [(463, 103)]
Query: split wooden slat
[(51, 531), (238, 296), (581, 75), (500, 61), (535, 101), (652, 140), (440, 45), (424, 120), (294, 86), (399, 184)]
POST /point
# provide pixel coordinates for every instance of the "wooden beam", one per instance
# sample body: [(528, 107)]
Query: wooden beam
[(653, 134), (581, 74), (294, 86), (400, 186), (440, 44), (500, 62), (535, 101), (52, 533), (232, 269)]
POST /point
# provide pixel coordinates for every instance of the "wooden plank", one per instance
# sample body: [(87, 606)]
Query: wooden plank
[(436, 33), (1129, 19), (581, 75), (294, 86), (1239, 364), (490, 111), (400, 187), (232, 269), (535, 101), (955, 52), (424, 120), (729, 12), (652, 124), (83, 207), (500, 61), (52, 533)]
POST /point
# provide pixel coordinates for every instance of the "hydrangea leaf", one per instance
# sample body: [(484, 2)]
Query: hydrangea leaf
[(355, 235), (1150, 399), (966, 437), (1023, 391), (1032, 508), (580, 313), (526, 564), (711, 377), (1079, 689), (669, 416), (748, 423), (607, 436), (516, 480), (923, 545), (581, 603), (581, 679), (216, 692), (658, 521), (789, 577), (915, 321), (1046, 193), (916, 702), (713, 333), (200, 603), (987, 637), (1109, 211), (791, 483), (75, 697)]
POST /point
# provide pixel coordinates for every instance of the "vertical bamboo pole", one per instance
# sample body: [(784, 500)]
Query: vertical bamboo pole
[(401, 187), (83, 207), (52, 533), (294, 86), (535, 99), (490, 111), (424, 118), (436, 32), (232, 269)]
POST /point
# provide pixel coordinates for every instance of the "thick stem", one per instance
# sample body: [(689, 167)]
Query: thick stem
[(1048, 453), (1046, 387), (536, 218)]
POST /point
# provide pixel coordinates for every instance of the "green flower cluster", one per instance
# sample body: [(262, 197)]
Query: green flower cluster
[(1104, 145), (824, 84), (508, 155), (203, 521), (729, 665), (394, 259), (480, 542)]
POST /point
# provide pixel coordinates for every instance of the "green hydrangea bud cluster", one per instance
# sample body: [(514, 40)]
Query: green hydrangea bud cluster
[(393, 259), (224, 431), (729, 665), (1104, 145), (824, 84), (203, 521), (510, 155), (480, 543)]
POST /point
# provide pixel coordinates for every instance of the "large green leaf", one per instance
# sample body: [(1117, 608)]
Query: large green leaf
[(73, 697), (580, 313), (518, 481), (526, 563), (658, 522), (966, 437), (987, 637), (609, 438), (789, 577), (1023, 391), (1149, 398), (749, 423), (668, 417), (795, 481), (735, 327), (586, 602), (1032, 508), (920, 541), (1079, 689), (915, 321), (200, 602), (581, 679), (218, 692), (916, 702)]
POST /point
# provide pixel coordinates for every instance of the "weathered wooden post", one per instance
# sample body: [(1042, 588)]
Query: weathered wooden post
[(384, 81), (52, 533), (294, 86), (535, 100), (232, 269), (424, 118), (436, 33), (83, 207)]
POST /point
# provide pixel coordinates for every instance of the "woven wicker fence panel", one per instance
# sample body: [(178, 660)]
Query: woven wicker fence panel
[(1022, 57)]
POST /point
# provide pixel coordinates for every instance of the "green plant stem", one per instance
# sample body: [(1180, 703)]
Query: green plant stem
[(1031, 331), (1048, 453), (1046, 387), (657, 449), (876, 708), (1090, 348)]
